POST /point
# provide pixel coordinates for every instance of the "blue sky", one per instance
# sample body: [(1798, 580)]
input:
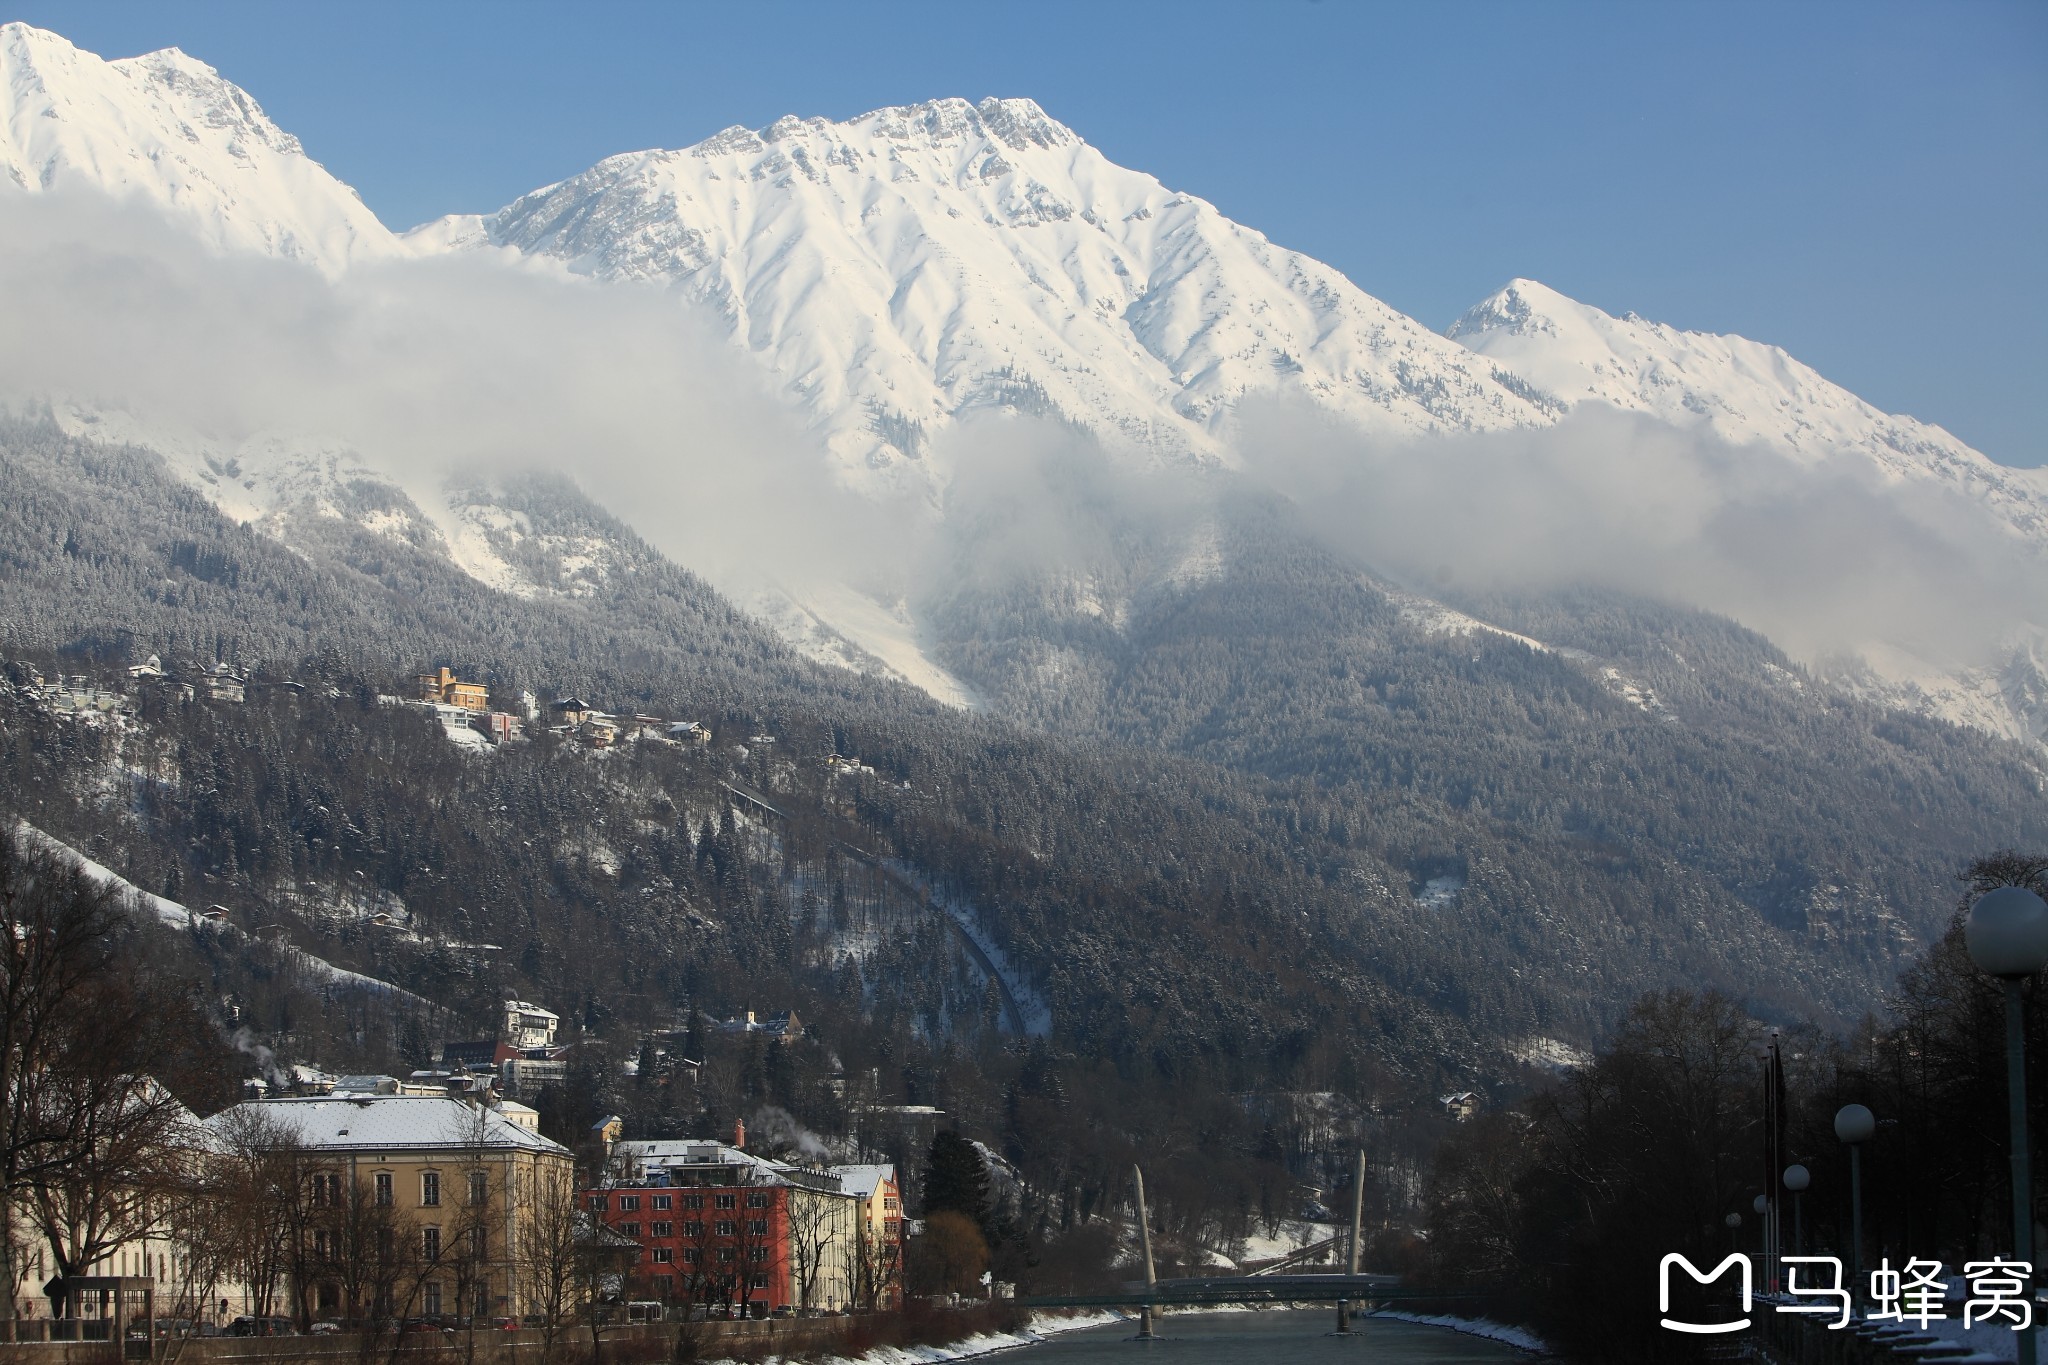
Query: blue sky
[(1863, 184)]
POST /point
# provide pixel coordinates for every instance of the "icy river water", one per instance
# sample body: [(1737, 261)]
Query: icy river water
[(1248, 1338)]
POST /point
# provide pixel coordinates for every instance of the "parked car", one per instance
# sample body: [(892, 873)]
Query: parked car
[(261, 1327), (324, 1329)]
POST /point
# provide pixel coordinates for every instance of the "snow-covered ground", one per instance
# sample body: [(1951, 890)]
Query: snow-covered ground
[(1041, 1326), (1520, 1337), (177, 916)]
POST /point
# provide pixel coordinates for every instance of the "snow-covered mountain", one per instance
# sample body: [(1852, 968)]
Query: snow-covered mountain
[(900, 272), (1747, 392), (167, 129), (1743, 391), (903, 269)]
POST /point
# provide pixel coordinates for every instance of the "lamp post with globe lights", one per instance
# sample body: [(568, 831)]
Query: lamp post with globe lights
[(2007, 935), (1733, 1222), (1797, 1178), (1855, 1125)]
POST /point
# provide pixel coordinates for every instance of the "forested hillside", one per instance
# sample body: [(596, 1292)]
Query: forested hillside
[(1607, 780), (1276, 865)]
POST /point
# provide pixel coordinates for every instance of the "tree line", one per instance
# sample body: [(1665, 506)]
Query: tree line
[(1561, 1207)]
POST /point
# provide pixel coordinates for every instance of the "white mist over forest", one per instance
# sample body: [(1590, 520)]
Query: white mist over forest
[(451, 366)]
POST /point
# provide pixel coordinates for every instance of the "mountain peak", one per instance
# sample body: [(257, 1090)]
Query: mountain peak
[(1518, 306), (168, 129)]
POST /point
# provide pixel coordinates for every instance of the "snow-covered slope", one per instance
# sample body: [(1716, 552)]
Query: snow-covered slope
[(1743, 390), (903, 269), (1746, 392), (168, 129)]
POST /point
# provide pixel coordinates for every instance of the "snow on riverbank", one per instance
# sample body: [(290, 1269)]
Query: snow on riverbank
[(1519, 1337), (1041, 1326)]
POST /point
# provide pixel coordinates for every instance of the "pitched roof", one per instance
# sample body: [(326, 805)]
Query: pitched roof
[(863, 1180), (393, 1122)]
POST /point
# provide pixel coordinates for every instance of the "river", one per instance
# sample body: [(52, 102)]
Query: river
[(1281, 1336)]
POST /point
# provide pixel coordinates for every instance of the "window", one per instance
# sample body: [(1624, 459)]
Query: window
[(479, 1243), (725, 1255), (691, 1255), (693, 1229), (430, 1243), (758, 1282), (597, 1203), (432, 1300), (757, 1254), (483, 1298), (665, 1285), (758, 1199), (693, 1201), (327, 1189), (430, 1189), (383, 1189), (323, 1244), (664, 1229), (757, 1227), (385, 1245), (721, 1229), (479, 1187), (630, 1229), (662, 1256), (661, 1203), (889, 1203), (724, 1201), (629, 1203)]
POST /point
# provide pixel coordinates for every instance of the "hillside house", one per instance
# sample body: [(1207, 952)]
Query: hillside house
[(783, 1025), (223, 684), (570, 712), (443, 688)]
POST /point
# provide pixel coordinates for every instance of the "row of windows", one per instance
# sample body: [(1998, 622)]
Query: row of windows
[(723, 1255), (326, 1188), (327, 1298), (756, 1227), (666, 1284), (630, 1203), (328, 1245)]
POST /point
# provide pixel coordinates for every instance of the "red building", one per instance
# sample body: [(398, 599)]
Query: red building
[(721, 1227), (711, 1244)]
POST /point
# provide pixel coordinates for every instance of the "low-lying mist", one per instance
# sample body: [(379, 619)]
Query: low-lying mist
[(446, 366), (433, 369), (1824, 558)]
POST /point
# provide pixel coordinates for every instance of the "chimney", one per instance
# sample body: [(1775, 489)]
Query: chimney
[(739, 1134)]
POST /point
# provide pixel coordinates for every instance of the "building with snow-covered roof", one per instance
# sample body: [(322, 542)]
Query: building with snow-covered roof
[(877, 1259), (528, 1025), (719, 1225), (455, 1186)]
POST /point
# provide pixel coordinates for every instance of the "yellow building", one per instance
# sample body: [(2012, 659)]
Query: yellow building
[(446, 689), (417, 1205)]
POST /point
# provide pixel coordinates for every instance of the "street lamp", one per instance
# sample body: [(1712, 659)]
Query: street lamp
[(2007, 934), (1797, 1178), (1855, 1125)]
